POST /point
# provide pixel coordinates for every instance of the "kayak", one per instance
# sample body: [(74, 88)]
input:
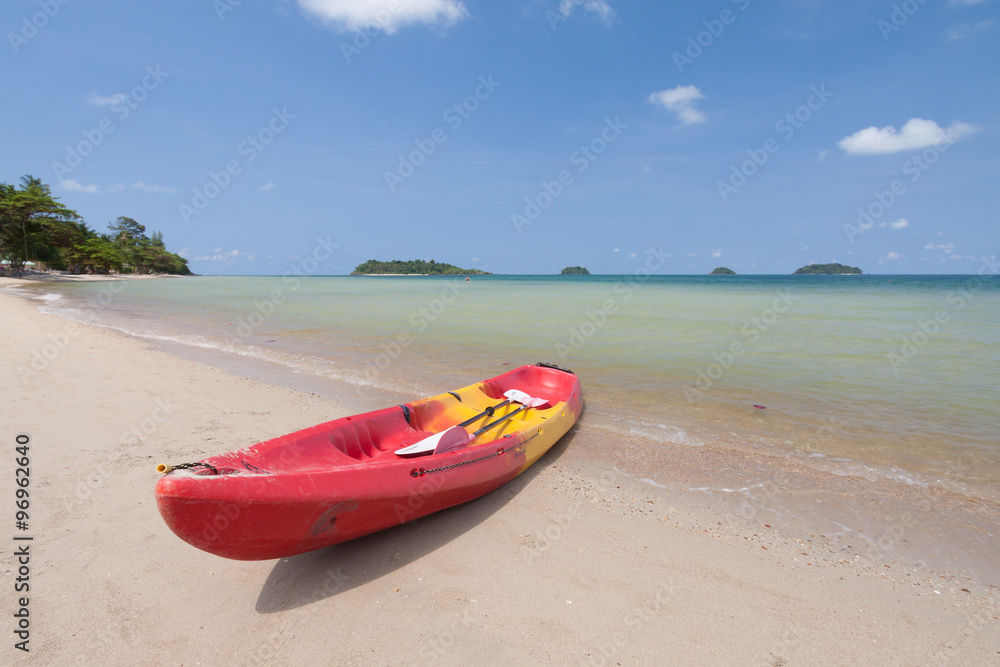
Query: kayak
[(357, 475)]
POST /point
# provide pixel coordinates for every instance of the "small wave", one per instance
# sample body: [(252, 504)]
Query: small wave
[(664, 433), (874, 473), (650, 430), (48, 296), (709, 489)]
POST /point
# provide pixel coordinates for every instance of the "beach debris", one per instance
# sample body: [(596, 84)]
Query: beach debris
[(760, 407)]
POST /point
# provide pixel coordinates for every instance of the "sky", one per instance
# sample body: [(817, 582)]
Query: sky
[(264, 136)]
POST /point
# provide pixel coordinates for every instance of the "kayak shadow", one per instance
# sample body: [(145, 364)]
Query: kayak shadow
[(301, 580)]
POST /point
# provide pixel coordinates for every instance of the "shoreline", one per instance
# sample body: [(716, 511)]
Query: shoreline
[(559, 534), (80, 278)]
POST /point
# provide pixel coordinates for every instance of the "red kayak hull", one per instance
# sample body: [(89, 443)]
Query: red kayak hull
[(341, 480)]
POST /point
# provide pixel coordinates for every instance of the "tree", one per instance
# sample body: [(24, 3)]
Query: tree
[(33, 224), (98, 255), (130, 238), (127, 229)]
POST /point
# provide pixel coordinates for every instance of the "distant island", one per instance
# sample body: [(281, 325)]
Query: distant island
[(414, 267), (828, 270), (722, 271), (575, 271)]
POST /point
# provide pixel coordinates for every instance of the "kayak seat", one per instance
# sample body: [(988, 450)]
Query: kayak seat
[(493, 390), (355, 440), (364, 439)]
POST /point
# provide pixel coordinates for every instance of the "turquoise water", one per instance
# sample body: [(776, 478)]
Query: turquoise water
[(883, 376)]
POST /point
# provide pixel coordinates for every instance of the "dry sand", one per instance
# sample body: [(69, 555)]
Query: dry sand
[(573, 562)]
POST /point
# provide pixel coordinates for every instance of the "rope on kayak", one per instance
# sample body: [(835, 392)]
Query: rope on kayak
[(252, 468), (183, 466), (420, 472)]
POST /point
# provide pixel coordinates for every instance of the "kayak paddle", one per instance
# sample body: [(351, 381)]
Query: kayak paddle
[(512, 395), (457, 437)]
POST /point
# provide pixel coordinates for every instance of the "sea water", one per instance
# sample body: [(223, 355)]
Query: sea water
[(888, 377)]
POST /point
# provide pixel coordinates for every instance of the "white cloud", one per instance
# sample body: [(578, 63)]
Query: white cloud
[(617, 250), (964, 30), (604, 12), (823, 154), (890, 257), (267, 187), (681, 101), (220, 256), (902, 223), (947, 247), (916, 134), (633, 255), (353, 15), (717, 253), (155, 189), (96, 100), (75, 186)]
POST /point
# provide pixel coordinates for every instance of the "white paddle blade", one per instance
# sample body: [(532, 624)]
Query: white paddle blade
[(519, 396), (448, 440)]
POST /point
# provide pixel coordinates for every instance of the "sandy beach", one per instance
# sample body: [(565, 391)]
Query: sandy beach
[(578, 561)]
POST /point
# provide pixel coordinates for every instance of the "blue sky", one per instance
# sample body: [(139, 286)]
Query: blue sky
[(518, 137)]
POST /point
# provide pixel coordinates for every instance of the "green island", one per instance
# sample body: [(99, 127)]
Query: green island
[(722, 271), (38, 231), (575, 271), (828, 270), (414, 267)]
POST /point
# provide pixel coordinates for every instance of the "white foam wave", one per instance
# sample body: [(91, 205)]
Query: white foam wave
[(652, 431), (710, 489)]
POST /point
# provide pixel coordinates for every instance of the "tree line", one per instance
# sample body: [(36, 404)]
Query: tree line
[(35, 226)]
